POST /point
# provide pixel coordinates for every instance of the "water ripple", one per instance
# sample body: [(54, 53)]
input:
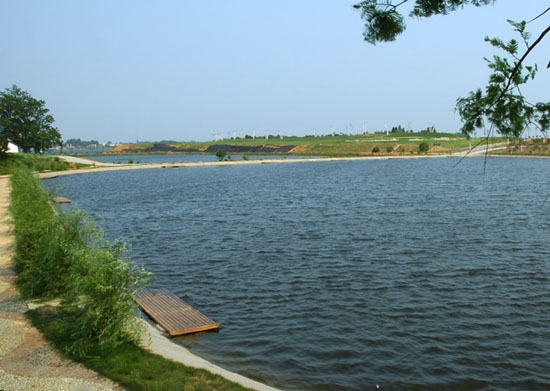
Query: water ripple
[(406, 274)]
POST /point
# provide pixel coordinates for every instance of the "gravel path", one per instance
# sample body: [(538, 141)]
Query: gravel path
[(74, 159), (27, 362)]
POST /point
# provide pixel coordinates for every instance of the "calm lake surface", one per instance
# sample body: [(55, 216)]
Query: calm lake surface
[(407, 274)]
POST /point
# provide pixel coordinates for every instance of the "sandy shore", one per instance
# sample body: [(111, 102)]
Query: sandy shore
[(129, 167)]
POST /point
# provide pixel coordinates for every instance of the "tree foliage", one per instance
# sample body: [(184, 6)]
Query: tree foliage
[(76, 142), (220, 155), (423, 147), (500, 105), (26, 122), (383, 21)]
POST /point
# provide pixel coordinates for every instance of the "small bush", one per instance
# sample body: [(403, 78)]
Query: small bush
[(376, 150), (99, 312), (389, 149), (423, 147), (220, 155)]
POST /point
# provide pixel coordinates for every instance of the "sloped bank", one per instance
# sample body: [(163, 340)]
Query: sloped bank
[(212, 149)]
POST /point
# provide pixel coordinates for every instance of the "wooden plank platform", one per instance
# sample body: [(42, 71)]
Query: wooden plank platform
[(61, 200), (172, 313)]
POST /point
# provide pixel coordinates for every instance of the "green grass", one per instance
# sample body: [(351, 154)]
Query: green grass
[(349, 145), (131, 366), (34, 162)]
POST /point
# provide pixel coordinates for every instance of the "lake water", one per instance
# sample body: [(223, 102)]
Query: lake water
[(182, 158), (402, 274)]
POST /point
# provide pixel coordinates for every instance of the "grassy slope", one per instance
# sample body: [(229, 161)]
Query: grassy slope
[(131, 366), (354, 145), (34, 162)]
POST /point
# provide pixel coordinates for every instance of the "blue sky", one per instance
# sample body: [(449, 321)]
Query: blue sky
[(137, 70)]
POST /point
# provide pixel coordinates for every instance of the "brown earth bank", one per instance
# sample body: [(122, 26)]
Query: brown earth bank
[(211, 149)]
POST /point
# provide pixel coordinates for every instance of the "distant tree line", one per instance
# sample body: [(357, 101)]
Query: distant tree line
[(78, 143), (401, 129)]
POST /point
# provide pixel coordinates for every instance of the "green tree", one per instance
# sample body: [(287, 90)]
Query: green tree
[(220, 155), (25, 122), (423, 147), (500, 105)]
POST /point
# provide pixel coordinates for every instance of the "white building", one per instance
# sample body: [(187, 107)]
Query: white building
[(12, 148)]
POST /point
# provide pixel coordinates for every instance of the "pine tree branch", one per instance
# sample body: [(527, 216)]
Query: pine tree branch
[(518, 64), (469, 151), (539, 15), (403, 2)]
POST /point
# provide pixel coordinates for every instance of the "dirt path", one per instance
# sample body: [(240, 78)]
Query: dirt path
[(74, 159), (27, 362)]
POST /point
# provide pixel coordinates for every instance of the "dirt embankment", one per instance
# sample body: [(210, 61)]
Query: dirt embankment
[(211, 149), (250, 148)]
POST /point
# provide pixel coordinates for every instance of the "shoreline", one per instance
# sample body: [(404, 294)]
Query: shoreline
[(156, 342), (151, 166)]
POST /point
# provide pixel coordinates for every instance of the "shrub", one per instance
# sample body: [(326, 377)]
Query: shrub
[(376, 150), (33, 219), (389, 149), (100, 311), (220, 155), (63, 254), (423, 147)]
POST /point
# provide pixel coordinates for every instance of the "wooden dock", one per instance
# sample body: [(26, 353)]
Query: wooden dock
[(61, 200), (173, 314)]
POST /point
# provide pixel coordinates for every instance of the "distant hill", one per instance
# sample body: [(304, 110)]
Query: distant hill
[(396, 143)]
